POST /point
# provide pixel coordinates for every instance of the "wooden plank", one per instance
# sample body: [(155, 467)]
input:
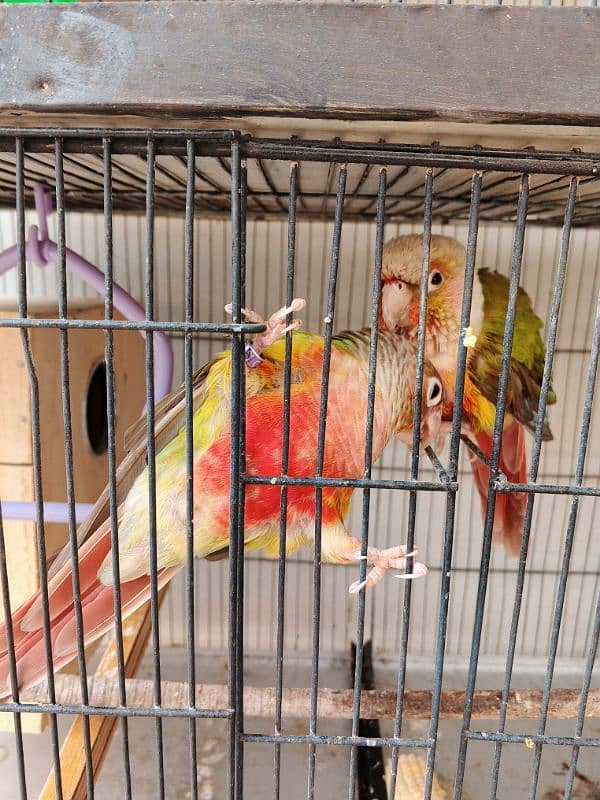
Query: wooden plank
[(37, 724), (16, 483), (332, 703), (15, 410), (422, 132), (136, 630), (410, 783), (86, 350), (461, 63), (86, 353)]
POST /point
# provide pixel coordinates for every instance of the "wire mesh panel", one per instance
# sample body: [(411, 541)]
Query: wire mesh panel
[(176, 172), (267, 180)]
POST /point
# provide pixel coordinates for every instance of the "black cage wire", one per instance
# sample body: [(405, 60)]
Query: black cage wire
[(235, 176)]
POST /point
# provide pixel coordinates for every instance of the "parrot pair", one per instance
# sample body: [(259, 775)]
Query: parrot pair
[(343, 458), (399, 312), (344, 444)]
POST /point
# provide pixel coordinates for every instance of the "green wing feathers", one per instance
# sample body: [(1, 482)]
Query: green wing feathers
[(528, 353)]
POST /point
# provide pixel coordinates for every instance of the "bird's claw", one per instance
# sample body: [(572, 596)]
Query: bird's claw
[(419, 572), (276, 326), (382, 560)]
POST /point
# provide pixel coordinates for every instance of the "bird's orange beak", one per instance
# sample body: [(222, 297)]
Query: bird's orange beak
[(396, 302), (430, 426), (431, 420)]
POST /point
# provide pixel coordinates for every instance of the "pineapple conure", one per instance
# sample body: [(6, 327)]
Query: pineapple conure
[(399, 312), (343, 458)]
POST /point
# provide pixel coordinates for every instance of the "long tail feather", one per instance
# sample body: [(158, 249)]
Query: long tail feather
[(97, 605), (93, 537), (17, 617), (28, 617), (60, 587), (509, 513)]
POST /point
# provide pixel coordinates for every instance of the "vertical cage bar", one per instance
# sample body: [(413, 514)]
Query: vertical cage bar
[(68, 445), (414, 466), (37, 454), (237, 349), (316, 606), (188, 289), (457, 413), (112, 458), (533, 472), (366, 506), (239, 676), (152, 532), (12, 663), (568, 546), (587, 680), (287, 382), (515, 275)]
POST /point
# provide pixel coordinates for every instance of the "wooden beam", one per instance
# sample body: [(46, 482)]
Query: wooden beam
[(392, 61), (136, 630), (333, 703)]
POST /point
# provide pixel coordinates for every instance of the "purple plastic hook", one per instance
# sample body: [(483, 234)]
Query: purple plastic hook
[(41, 250)]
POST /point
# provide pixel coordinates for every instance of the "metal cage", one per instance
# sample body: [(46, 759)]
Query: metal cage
[(508, 185)]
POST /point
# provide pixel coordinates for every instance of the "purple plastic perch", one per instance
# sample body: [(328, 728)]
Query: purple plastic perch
[(41, 250), (53, 512)]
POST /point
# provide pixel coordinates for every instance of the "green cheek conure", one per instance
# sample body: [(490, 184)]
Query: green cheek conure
[(399, 312), (343, 458)]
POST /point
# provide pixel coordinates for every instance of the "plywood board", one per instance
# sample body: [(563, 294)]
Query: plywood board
[(388, 61)]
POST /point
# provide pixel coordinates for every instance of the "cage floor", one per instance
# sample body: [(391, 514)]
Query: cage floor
[(332, 761)]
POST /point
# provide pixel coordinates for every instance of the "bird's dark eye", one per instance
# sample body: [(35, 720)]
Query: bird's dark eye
[(436, 278), (434, 392)]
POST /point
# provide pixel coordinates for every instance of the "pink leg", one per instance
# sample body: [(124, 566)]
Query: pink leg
[(339, 547), (382, 560), (276, 324)]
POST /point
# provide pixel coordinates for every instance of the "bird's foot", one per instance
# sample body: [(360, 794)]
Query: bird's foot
[(382, 560), (276, 328)]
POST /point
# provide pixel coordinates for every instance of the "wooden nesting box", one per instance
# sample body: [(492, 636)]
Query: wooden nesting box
[(88, 417)]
